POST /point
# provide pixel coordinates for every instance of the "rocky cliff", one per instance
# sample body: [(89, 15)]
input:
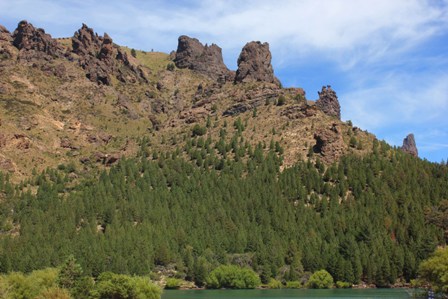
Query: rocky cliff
[(206, 60), (254, 64), (409, 145)]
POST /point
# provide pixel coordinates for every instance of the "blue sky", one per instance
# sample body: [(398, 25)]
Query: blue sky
[(386, 59)]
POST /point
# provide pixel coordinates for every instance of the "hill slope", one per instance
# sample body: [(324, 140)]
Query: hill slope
[(140, 162)]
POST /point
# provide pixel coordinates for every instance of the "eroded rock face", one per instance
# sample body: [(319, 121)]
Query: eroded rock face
[(100, 58), (329, 143), (7, 50), (254, 64), (32, 42), (409, 145), (328, 102), (206, 60)]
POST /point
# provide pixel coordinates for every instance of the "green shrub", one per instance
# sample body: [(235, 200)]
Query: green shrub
[(120, 286), (281, 101), (233, 277), (275, 284), (343, 285), (170, 67), (198, 130), (320, 280), (55, 293), (172, 283), (29, 286), (293, 285)]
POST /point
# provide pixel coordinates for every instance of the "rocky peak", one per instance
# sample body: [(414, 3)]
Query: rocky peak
[(86, 42), (409, 145), (254, 64), (100, 58), (328, 102), (206, 60), (28, 38), (5, 35)]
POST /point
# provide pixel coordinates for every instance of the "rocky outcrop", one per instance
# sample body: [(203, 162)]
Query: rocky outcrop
[(329, 143), (100, 58), (328, 102), (207, 60), (33, 43), (409, 145), (88, 45), (251, 99), (7, 50), (254, 64)]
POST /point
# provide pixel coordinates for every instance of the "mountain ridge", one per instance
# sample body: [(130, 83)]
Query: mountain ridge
[(82, 99)]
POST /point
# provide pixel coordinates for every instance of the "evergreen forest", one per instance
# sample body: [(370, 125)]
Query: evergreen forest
[(214, 203)]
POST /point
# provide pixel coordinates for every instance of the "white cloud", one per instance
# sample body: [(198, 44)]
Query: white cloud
[(350, 31), (397, 100)]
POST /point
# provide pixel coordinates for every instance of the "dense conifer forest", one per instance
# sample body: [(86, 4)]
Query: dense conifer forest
[(213, 203)]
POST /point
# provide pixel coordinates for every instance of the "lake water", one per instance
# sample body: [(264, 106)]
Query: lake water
[(287, 293)]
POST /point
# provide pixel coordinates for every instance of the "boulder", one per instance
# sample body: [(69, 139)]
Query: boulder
[(328, 102), (409, 145), (206, 60), (254, 64)]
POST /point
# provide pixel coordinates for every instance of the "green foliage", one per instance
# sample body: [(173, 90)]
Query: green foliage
[(281, 100), (19, 286), (198, 130), (118, 286), (70, 273), (170, 67), (343, 285), (275, 284), (320, 280), (360, 219), (353, 142), (233, 277), (133, 53), (54, 293), (173, 283), (293, 285), (434, 270)]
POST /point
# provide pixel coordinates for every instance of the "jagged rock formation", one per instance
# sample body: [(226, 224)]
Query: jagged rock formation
[(100, 58), (329, 143), (206, 60), (254, 64), (33, 42), (328, 102), (409, 145)]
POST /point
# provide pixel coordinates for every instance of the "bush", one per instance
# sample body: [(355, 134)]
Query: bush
[(172, 283), (233, 277), (29, 286), (293, 285), (275, 284), (55, 293), (320, 280), (281, 101), (434, 270), (170, 67), (198, 130), (120, 286), (343, 285)]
